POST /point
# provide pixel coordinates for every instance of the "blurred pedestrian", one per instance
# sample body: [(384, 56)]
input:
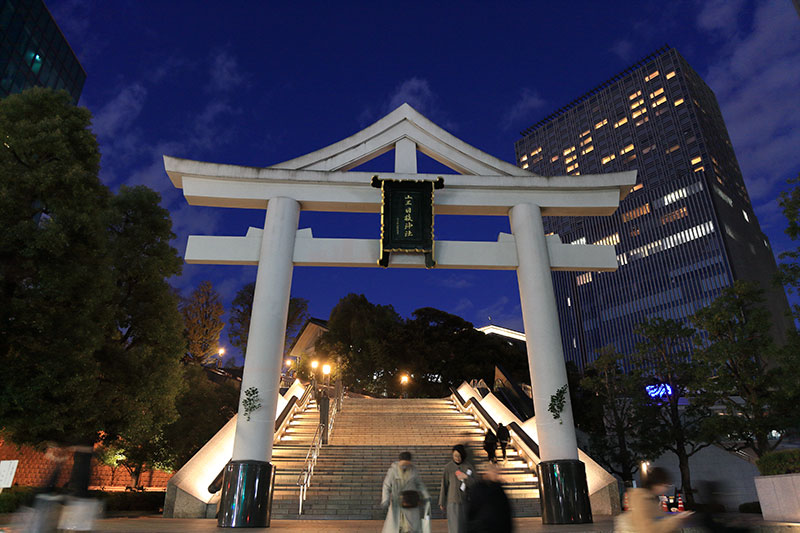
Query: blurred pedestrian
[(457, 479), (489, 510), (503, 437), (645, 515), (490, 445), (406, 498)]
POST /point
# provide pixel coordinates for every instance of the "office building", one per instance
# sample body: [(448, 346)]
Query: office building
[(34, 52), (685, 232)]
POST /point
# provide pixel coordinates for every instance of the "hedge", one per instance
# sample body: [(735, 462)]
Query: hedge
[(777, 463)]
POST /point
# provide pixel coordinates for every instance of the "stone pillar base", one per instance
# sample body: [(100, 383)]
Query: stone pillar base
[(247, 489), (563, 492)]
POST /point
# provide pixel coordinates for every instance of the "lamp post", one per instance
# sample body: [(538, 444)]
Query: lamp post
[(326, 371), (220, 353), (404, 384), (314, 365)]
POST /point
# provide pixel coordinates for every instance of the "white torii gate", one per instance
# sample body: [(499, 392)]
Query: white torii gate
[(485, 185)]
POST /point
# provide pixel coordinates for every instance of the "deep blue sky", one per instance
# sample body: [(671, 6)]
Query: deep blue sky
[(256, 83)]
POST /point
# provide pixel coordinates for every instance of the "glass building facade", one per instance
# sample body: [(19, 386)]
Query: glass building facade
[(34, 52), (685, 232)]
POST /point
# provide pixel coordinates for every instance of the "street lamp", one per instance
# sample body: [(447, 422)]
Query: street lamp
[(326, 371), (404, 383)]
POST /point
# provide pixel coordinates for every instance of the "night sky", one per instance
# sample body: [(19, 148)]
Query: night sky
[(257, 83)]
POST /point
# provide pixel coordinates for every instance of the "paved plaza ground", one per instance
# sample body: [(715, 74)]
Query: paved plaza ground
[(156, 524)]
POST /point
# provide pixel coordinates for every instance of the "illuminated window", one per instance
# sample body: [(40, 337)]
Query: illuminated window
[(536, 151), (671, 75), (554, 159), (656, 93), (582, 240), (626, 149), (538, 159), (601, 124), (674, 196), (674, 215), (638, 112), (647, 150), (660, 101), (587, 150), (696, 160), (635, 95), (642, 121), (570, 159), (630, 158), (568, 150), (611, 240), (672, 149), (636, 212), (583, 279), (651, 76), (572, 167), (525, 166), (744, 214), (586, 141), (524, 157), (635, 232), (676, 239), (637, 187), (576, 173), (678, 102), (585, 133), (637, 103), (607, 158), (699, 169), (620, 122)]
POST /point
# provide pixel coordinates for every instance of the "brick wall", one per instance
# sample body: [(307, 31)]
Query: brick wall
[(34, 469)]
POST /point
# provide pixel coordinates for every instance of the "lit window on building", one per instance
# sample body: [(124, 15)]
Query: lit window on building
[(524, 158), (582, 240), (525, 166), (570, 159), (626, 149), (651, 76), (572, 167), (637, 187), (681, 193), (601, 124), (638, 112), (585, 133), (672, 149), (697, 232), (671, 75), (587, 150), (611, 240), (725, 197), (583, 279), (620, 122), (569, 150), (586, 141), (554, 159), (637, 103), (636, 212), (696, 160), (744, 214), (569, 302), (635, 95), (536, 151), (656, 93), (642, 121), (622, 259), (659, 101), (674, 215), (699, 169), (635, 232), (630, 158), (608, 158), (648, 148), (678, 102)]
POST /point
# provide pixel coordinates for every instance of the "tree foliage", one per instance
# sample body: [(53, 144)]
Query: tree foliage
[(242, 309), (89, 332), (664, 358), (789, 268), (747, 370), (622, 441), (202, 320)]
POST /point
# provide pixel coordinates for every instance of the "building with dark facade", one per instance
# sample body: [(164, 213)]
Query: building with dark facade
[(34, 52), (685, 232)]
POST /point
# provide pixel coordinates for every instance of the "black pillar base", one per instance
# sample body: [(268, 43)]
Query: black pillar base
[(246, 500), (563, 492)]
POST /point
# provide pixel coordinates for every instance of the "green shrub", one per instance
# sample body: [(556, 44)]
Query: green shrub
[(782, 462), (750, 507), (12, 498)]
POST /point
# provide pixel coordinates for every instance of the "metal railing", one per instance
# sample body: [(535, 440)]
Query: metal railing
[(304, 480)]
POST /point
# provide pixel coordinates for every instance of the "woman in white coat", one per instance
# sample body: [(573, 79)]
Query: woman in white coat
[(402, 488)]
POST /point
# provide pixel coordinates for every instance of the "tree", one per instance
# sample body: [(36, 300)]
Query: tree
[(242, 309), (202, 318), (789, 269), (362, 333), (742, 357), (621, 442), (664, 358)]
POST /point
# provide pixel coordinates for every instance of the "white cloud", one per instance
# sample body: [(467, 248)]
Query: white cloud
[(623, 49), (454, 281), (756, 83), (719, 15), (500, 312), (415, 92), (225, 72), (119, 113), (527, 102)]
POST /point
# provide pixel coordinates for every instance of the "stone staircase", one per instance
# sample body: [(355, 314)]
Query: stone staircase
[(367, 437)]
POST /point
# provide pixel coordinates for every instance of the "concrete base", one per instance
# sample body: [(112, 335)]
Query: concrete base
[(180, 504), (563, 492), (779, 497)]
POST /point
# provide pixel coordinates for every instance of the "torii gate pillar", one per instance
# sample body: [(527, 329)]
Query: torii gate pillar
[(563, 488)]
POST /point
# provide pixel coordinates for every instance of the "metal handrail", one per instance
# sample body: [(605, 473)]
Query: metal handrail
[(304, 480)]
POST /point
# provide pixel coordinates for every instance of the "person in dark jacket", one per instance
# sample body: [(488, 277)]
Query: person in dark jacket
[(457, 479), (503, 436), (489, 510), (490, 445)]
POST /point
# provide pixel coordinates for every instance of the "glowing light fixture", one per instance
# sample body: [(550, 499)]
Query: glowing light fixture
[(326, 369)]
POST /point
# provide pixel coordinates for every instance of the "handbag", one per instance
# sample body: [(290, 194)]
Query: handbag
[(409, 499)]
